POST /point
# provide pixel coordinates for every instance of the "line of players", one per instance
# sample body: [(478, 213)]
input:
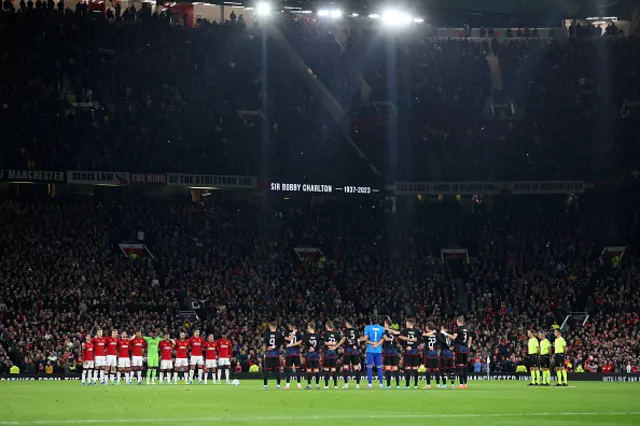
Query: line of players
[(444, 353), (108, 359)]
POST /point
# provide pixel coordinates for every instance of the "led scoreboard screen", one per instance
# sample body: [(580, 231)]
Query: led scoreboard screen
[(308, 188)]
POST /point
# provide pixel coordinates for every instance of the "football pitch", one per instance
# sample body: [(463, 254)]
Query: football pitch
[(495, 403)]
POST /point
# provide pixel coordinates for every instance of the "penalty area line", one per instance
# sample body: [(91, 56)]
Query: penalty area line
[(245, 419)]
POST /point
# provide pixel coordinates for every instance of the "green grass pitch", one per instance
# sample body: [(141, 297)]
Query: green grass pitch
[(483, 403)]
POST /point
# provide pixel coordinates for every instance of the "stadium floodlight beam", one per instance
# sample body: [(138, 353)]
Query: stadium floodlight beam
[(374, 16), (396, 18), (336, 14), (418, 20), (355, 15), (263, 8)]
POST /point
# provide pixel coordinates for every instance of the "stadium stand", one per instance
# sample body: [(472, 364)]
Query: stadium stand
[(143, 95)]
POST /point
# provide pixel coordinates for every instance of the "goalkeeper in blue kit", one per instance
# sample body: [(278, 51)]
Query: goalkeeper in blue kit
[(373, 336)]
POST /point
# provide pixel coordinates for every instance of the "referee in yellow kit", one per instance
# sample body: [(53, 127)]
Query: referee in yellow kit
[(533, 358), (545, 358), (560, 350)]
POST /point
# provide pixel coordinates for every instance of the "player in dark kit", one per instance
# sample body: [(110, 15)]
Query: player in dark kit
[(293, 340), (273, 342), (462, 341), (409, 337), (351, 358), (432, 360), (446, 358), (390, 354), (333, 339), (311, 341)]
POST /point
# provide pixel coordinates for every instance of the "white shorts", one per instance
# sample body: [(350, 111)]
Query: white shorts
[(196, 360), (224, 362), (182, 362), (136, 361), (166, 364), (124, 363), (111, 361), (87, 364), (211, 363), (101, 361)]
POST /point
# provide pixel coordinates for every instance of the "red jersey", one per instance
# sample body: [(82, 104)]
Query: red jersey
[(210, 350), (112, 346), (166, 350), (137, 346), (87, 351), (181, 348), (123, 348), (99, 344), (224, 348), (196, 345)]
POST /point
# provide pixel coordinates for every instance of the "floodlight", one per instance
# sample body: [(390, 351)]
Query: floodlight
[(355, 15), (263, 8), (418, 20), (330, 13), (395, 18), (374, 16)]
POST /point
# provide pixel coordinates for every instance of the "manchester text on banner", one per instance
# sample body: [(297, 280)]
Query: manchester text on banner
[(43, 176)]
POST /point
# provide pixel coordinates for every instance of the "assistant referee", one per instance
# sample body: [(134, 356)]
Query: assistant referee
[(533, 358), (560, 349)]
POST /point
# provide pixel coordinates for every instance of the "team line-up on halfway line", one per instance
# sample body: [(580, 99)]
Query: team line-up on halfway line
[(445, 355), (106, 359), (432, 346)]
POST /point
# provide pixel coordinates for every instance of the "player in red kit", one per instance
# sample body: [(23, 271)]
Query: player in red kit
[(182, 362), (137, 347), (196, 342), (211, 361), (87, 360), (224, 353), (124, 360), (112, 355), (100, 354), (166, 358)]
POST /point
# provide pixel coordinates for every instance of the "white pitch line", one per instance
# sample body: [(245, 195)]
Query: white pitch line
[(317, 417)]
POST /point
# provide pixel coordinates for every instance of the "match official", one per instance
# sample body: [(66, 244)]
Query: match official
[(533, 358), (560, 350), (545, 358)]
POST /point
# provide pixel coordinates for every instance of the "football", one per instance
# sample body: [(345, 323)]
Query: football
[(235, 382)]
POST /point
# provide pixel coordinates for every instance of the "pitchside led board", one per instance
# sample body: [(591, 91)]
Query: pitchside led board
[(309, 188)]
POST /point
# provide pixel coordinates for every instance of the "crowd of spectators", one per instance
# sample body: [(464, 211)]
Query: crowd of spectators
[(82, 93), (144, 95), (141, 101), (471, 121), (64, 275)]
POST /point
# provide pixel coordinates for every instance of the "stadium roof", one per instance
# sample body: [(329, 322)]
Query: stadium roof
[(542, 12), (554, 10)]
